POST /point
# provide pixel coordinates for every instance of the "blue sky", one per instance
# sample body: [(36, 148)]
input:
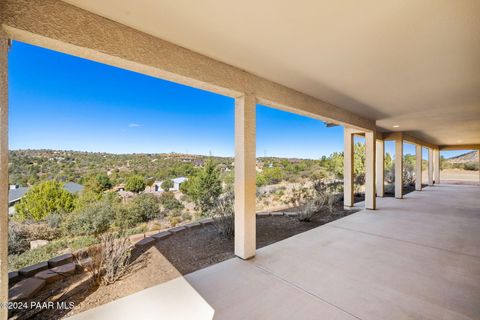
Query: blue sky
[(59, 101)]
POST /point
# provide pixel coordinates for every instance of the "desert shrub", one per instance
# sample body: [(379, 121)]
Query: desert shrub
[(324, 196), (135, 184), (186, 216), (86, 198), (308, 211), (54, 220), (174, 218), (471, 166), (110, 259), (93, 219), (35, 230), (140, 209), (223, 215), (142, 228), (167, 185), (144, 207), (358, 181), (331, 200), (300, 195), (260, 180), (115, 256), (169, 202), (17, 241)]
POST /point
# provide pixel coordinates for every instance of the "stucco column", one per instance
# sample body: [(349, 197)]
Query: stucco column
[(436, 166), (380, 167), (418, 167), (370, 192), (3, 173), (245, 175), (348, 199), (399, 167), (430, 167)]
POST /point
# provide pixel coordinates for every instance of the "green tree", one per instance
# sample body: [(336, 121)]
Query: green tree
[(272, 175), (169, 202), (167, 185), (205, 187), (99, 183), (144, 207), (260, 180), (135, 183), (43, 199)]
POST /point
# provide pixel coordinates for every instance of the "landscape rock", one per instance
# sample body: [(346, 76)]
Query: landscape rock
[(263, 214), (84, 264), (57, 273), (150, 233), (193, 225), (33, 269), (145, 242), (277, 214), (207, 221), (13, 277), (60, 260), (162, 235), (37, 243), (25, 289), (177, 229), (137, 237)]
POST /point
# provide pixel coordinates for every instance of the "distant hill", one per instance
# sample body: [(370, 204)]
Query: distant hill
[(468, 157)]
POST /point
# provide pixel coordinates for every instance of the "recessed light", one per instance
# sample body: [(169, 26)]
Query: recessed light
[(459, 140), (396, 126)]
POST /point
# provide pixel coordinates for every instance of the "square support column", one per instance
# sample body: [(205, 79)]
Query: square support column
[(380, 167), (436, 165), (418, 167), (399, 167), (430, 167), (245, 175), (3, 174), (348, 199), (370, 192)]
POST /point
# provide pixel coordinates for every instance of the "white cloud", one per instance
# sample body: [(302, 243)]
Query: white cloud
[(134, 125)]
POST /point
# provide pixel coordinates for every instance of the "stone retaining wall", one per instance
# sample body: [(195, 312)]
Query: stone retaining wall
[(28, 281)]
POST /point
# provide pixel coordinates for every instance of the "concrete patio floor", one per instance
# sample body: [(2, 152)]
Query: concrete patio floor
[(415, 258)]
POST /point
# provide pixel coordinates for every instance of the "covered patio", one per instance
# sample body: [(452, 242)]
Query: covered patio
[(418, 258), (379, 71)]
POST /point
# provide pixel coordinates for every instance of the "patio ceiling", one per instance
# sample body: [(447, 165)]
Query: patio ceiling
[(405, 62)]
